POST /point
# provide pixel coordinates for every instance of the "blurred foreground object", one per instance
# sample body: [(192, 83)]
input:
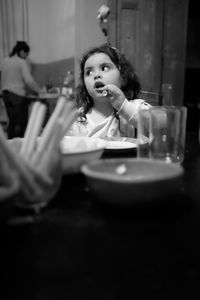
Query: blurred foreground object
[(9, 187), (132, 181), (36, 158)]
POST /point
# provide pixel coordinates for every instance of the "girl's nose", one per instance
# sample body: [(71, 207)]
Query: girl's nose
[(97, 75)]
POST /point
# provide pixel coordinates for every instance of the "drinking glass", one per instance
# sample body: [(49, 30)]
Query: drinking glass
[(162, 132)]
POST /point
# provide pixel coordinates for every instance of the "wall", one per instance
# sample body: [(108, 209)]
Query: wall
[(87, 32), (52, 39), (60, 31), (51, 29)]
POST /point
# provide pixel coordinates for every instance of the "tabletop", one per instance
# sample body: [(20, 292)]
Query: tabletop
[(46, 94), (78, 248)]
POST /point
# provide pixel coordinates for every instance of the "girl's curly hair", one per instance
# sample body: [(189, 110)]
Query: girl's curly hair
[(131, 85)]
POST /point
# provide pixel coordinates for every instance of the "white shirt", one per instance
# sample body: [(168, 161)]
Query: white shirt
[(111, 126), (16, 76)]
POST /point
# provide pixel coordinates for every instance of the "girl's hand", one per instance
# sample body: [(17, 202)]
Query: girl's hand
[(115, 95)]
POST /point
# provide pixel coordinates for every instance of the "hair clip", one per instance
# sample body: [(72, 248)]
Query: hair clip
[(116, 51), (114, 48)]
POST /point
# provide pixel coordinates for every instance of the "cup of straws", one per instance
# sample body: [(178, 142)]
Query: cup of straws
[(35, 160)]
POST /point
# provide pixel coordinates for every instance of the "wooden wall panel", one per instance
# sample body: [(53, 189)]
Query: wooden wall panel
[(135, 27), (174, 46), (152, 34), (150, 44), (113, 22), (128, 34)]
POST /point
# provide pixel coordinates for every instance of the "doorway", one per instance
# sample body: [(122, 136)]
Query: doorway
[(192, 69)]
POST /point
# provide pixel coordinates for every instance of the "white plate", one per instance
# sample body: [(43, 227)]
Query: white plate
[(116, 145), (122, 145)]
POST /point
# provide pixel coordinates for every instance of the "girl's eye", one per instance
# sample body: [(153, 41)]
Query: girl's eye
[(88, 72), (105, 68)]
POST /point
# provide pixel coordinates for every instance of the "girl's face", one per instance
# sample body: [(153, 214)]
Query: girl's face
[(99, 71)]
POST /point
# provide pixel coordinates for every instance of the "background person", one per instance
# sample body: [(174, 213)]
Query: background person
[(16, 80)]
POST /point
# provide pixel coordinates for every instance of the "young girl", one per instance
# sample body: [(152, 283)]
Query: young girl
[(107, 93)]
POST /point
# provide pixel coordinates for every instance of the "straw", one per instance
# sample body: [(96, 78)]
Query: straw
[(54, 141), (29, 127), (36, 128), (48, 128)]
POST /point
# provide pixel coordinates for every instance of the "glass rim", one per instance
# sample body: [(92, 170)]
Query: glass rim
[(168, 107)]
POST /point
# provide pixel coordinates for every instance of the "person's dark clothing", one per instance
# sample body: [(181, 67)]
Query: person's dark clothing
[(17, 110)]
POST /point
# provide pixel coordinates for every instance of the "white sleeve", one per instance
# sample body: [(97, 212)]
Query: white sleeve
[(129, 109)]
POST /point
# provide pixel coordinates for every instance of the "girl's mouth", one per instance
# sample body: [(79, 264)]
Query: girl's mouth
[(99, 87)]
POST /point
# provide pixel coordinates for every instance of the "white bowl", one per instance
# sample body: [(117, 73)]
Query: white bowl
[(132, 180), (75, 151), (79, 150)]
